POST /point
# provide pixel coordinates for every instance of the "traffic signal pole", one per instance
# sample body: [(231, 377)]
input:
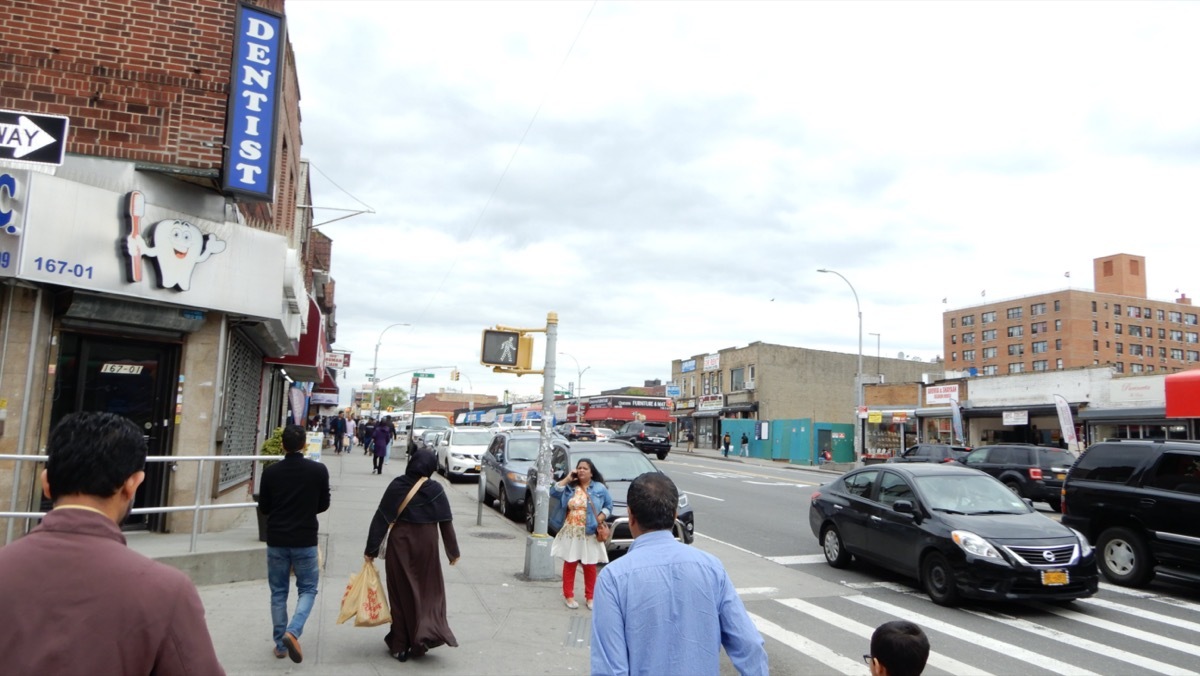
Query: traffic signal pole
[(539, 565)]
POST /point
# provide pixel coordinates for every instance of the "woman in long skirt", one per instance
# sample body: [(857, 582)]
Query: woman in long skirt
[(583, 503), (416, 589)]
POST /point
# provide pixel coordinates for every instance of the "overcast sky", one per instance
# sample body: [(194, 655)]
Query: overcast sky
[(668, 177)]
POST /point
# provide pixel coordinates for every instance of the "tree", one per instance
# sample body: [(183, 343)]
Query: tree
[(391, 396)]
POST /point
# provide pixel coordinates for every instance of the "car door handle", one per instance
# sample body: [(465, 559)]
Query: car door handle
[(837, 507), (875, 518), (1147, 502)]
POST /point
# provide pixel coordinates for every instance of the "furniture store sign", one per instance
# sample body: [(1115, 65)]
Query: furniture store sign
[(251, 128)]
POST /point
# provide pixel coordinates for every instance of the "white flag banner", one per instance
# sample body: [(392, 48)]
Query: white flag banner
[(1066, 422)]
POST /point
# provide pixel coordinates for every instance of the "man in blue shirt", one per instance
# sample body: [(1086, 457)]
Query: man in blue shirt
[(665, 607)]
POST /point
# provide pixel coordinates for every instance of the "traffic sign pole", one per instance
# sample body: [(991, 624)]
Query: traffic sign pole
[(539, 565)]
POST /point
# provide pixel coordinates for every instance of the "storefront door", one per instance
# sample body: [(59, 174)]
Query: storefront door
[(131, 378)]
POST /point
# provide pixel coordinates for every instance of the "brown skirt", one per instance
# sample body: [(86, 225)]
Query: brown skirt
[(416, 589)]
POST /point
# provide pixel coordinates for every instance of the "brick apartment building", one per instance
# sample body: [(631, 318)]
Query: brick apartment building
[(163, 267), (1116, 324)]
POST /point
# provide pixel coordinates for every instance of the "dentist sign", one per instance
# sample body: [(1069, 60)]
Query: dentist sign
[(250, 132)]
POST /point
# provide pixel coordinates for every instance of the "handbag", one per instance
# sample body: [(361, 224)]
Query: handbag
[(603, 532), (412, 491)]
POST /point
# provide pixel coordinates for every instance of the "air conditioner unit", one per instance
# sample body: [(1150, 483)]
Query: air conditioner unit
[(749, 385)]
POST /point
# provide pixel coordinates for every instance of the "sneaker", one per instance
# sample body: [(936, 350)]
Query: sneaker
[(589, 604), (571, 603), (293, 647)]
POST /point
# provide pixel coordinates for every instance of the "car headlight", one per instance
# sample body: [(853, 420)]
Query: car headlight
[(514, 477), (1085, 547), (683, 502), (973, 544)]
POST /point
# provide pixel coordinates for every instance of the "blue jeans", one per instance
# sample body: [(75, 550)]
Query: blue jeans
[(280, 561)]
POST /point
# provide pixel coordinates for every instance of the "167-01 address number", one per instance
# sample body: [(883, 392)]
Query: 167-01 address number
[(57, 265)]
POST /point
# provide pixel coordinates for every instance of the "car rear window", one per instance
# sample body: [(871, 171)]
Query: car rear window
[(1056, 458), (1109, 462), (1178, 472)]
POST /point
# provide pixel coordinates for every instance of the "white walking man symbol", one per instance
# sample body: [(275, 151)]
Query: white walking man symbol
[(508, 350)]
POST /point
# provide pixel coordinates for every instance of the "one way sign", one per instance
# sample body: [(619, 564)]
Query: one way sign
[(31, 137)]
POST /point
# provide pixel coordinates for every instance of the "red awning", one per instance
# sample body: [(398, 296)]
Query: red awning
[(650, 414), (1183, 394), (327, 385)]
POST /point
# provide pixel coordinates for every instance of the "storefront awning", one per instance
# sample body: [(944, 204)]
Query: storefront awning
[(935, 412), (998, 411), (741, 408), (327, 384), (649, 414), (710, 413), (308, 364), (1183, 394), (1130, 413)]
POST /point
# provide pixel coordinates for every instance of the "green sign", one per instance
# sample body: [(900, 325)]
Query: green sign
[(422, 375), (561, 392)]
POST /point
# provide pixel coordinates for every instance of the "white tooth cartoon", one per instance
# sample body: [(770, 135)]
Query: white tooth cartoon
[(177, 247)]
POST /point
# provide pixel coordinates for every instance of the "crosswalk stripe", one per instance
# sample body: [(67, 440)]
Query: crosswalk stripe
[(1144, 614), (843, 665), (831, 618), (1082, 643), (977, 639), (1151, 596), (794, 560), (1125, 630)]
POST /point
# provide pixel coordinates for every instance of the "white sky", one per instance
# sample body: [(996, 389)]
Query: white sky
[(693, 164)]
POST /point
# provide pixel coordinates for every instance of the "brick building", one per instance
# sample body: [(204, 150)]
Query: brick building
[(1115, 324), (164, 266)]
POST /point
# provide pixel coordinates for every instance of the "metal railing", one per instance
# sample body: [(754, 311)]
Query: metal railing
[(195, 507)]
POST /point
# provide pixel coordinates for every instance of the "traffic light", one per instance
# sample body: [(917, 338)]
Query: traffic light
[(507, 349), (454, 374)]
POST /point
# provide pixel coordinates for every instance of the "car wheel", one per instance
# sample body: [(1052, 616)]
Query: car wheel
[(831, 544), (529, 513), (1124, 558), (1014, 487), (937, 577), (1055, 504), (662, 455), (502, 501)]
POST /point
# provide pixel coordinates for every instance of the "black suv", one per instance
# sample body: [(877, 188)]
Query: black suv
[(931, 453), (649, 437), (1138, 500), (577, 432), (1030, 471)]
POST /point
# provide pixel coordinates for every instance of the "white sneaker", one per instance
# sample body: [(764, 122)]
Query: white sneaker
[(589, 604), (571, 603)]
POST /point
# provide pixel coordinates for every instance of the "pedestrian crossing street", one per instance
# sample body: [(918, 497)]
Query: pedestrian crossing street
[(1119, 631)]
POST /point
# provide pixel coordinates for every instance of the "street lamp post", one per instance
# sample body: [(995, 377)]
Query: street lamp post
[(578, 384), (878, 372), (375, 365), (858, 378)]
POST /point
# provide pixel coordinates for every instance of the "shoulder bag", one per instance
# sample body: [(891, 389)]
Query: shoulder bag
[(408, 498), (603, 532)]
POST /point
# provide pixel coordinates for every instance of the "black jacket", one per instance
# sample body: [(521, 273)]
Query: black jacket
[(292, 493)]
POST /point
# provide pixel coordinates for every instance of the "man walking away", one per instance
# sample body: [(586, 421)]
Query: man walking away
[(666, 607), (293, 492), (339, 432), (725, 442), (75, 598), (745, 446), (898, 648), (368, 435)]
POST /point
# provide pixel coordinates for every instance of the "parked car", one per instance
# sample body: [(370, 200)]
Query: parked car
[(603, 433), (1034, 472), (460, 451), (619, 463), (420, 424), (577, 432), (957, 530), (1139, 501), (931, 453), (505, 465), (648, 437)]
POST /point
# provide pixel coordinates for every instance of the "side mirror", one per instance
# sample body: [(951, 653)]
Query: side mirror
[(903, 507), (1028, 502)]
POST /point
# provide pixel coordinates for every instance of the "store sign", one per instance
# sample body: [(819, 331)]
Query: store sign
[(940, 394), (673, 390), (14, 186), (875, 417), (712, 362), (1147, 390), (628, 402), (251, 129), (899, 417), (687, 366), (711, 402), (337, 360), (1015, 418)]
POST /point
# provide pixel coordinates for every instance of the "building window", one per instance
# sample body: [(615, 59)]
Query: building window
[(1160, 314), (1095, 346), (1133, 311), (1135, 330), (1135, 368), (1119, 328), (750, 373), (1150, 368), (1177, 336), (737, 379), (953, 356), (1190, 320), (1162, 334), (989, 334), (968, 338), (1014, 312), (954, 339), (1116, 310), (1192, 337), (1041, 365), (1146, 313), (1135, 350), (1057, 305), (1037, 327), (1120, 348), (1058, 344), (1017, 367), (1093, 307), (1058, 325), (1016, 349), (952, 322), (1176, 353), (1119, 367), (968, 355), (988, 317), (1016, 331), (990, 370), (968, 320), (1175, 317), (1037, 309), (1162, 351), (989, 353), (1040, 347), (1058, 364), (1193, 355)]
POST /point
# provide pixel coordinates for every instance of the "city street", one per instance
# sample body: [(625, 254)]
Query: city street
[(817, 620)]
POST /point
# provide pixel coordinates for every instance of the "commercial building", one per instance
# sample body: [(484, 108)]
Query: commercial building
[(162, 266), (1115, 324)]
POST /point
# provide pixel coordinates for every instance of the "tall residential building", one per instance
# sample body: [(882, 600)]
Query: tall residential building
[(1115, 324)]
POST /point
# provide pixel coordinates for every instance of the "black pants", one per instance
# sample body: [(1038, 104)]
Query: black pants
[(339, 440), (378, 464)]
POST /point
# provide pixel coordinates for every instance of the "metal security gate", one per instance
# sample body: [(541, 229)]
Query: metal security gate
[(243, 385)]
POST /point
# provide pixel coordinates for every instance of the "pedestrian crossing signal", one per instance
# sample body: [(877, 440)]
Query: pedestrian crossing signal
[(509, 349)]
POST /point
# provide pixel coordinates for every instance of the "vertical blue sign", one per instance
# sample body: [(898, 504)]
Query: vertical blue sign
[(252, 124)]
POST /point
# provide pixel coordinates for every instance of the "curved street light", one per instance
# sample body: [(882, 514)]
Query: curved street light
[(578, 382), (858, 388), (375, 365)]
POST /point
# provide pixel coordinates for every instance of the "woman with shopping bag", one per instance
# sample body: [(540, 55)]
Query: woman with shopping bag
[(417, 509)]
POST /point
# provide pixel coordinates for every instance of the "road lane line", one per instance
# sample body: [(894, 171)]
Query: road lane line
[(759, 591), (808, 647), (1125, 630), (1144, 614), (728, 544), (797, 560), (1140, 661), (1151, 596), (690, 494), (943, 662), (974, 638), (704, 469)]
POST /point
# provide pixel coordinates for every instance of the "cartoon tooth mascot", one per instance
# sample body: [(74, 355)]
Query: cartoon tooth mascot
[(177, 247)]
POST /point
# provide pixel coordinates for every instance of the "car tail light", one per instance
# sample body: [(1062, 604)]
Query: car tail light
[(1035, 473), (1062, 499), (642, 434), (816, 495), (947, 459)]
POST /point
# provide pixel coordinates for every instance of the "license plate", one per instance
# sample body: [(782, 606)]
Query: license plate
[(1060, 477), (656, 439), (1054, 578), (476, 468)]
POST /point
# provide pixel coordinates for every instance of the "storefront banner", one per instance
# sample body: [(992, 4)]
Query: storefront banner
[(711, 402), (940, 394), (1147, 390), (1065, 420), (687, 366), (1014, 418), (253, 121), (956, 422), (325, 398), (628, 402), (712, 362)]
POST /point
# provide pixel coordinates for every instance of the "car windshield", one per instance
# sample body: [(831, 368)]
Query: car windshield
[(969, 495), (471, 437), (619, 466), (523, 449), (1057, 458), (433, 421)]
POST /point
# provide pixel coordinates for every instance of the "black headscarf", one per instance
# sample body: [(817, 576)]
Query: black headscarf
[(429, 505)]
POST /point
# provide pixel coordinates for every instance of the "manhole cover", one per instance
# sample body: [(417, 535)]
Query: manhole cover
[(494, 536)]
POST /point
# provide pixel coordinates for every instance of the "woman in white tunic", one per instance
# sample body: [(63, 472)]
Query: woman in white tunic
[(583, 503)]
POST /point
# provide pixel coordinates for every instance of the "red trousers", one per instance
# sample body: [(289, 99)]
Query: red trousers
[(589, 579)]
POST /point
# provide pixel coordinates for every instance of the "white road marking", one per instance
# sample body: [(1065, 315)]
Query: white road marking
[(890, 586), (776, 483), (728, 544), (797, 560), (721, 475), (980, 640), (742, 591), (833, 619), (1140, 661), (1137, 593), (1126, 630), (808, 647), (1144, 614), (690, 494)]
